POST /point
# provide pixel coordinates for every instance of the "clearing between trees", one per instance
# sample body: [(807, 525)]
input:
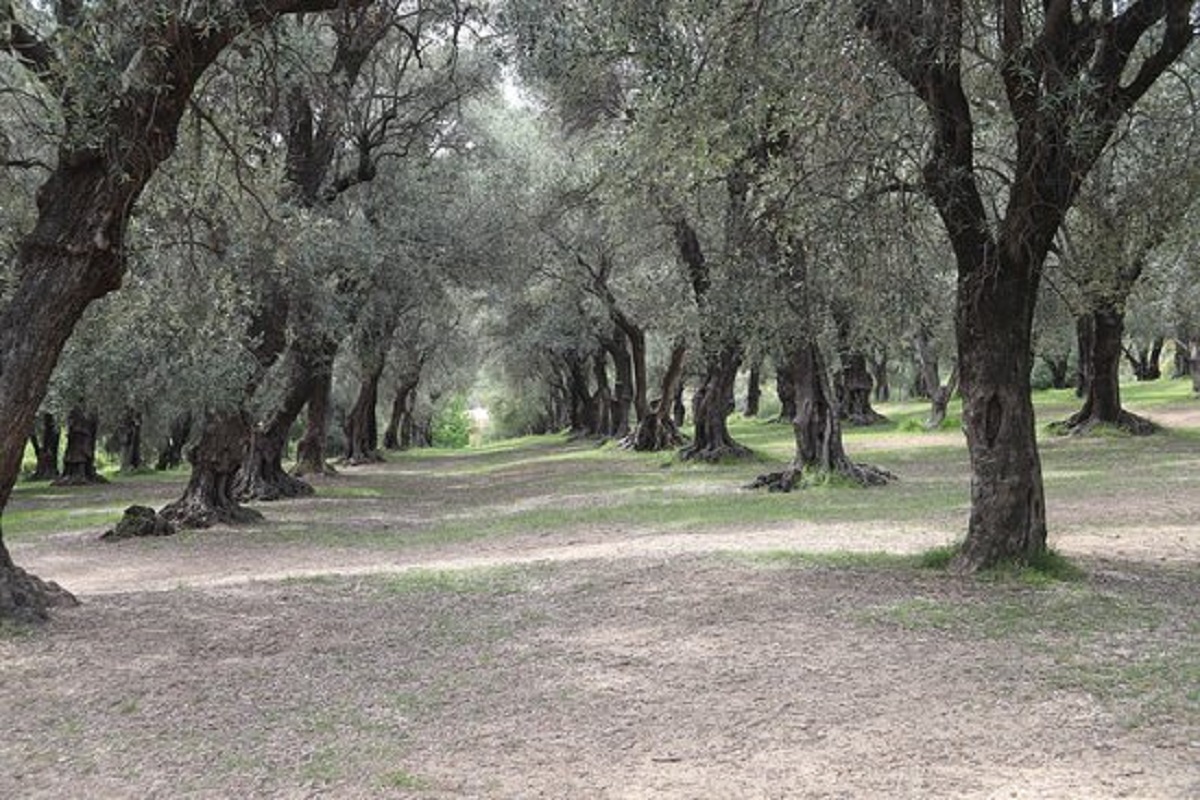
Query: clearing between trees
[(544, 619)]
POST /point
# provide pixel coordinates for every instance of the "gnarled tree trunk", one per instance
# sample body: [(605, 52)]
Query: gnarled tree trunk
[(362, 432), (819, 450), (209, 499), (711, 406), (657, 430), (1102, 393), (854, 391), (310, 451), (79, 459), (400, 420), (785, 389), (129, 439)]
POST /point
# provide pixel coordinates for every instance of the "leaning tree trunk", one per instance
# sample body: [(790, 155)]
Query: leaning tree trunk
[(73, 255), (939, 404), (45, 446), (362, 432), (261, 475), (820, 453), (79, 459), (657, 430), (711, 440), (1102, 393), (208, 499)]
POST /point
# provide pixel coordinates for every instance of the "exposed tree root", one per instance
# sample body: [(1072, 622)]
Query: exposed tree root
[(28, 598), (139, 521), (654, 434), (1081, 425), (278, 485), (801, 477), (864, 419), (196, 513), (731, 451)]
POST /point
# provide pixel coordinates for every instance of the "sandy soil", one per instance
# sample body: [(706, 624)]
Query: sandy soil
[(599, 662)]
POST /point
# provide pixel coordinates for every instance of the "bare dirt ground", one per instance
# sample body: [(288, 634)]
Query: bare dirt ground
[(605, 660)]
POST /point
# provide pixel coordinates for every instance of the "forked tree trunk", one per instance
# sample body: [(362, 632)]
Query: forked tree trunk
[(362, 432), (754, 390), (310, 451), (171, 454), (926, 380), (1102, 394), (711, 440), (208, 499), (820, 453), (1060, 370), (45, 442), (79, 459), (657, 430), (1145, 360)]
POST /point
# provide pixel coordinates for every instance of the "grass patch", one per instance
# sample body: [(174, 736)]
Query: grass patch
[(1044, 569), (400, 779), (484, 581)]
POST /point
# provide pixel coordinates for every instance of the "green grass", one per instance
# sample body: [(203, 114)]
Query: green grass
[(489, 581), (845, 559), (400, 779)]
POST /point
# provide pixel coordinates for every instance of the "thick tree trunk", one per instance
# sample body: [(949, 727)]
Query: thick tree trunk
[(656, 431), (711, 440), (994, 323), (208, 499), (753, 390), (1102, 394), (820, 453), (362, 432), (79, 460), (1060, 370), (854, 392), (310, 451), (129, 438), (171, 454), (45, 446)]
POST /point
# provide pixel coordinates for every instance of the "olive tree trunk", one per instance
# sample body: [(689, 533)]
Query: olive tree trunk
[(46, 439), (79, 459), (1102, 392), (209, 497)]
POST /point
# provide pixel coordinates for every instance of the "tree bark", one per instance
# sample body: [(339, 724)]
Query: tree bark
[(926, 380), (602, 400), (79, 460), (362, 432), (45, 446), (1084, 343), (854, 391), (1102, 394), (753, 390), (711, 440), (310, 451), (129, 438), (1145, 360), (208, 499), (820, 453), (879, 372), (939, 404), (1060, 369)]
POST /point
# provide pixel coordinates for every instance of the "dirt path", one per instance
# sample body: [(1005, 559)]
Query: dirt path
[(594, 661)]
